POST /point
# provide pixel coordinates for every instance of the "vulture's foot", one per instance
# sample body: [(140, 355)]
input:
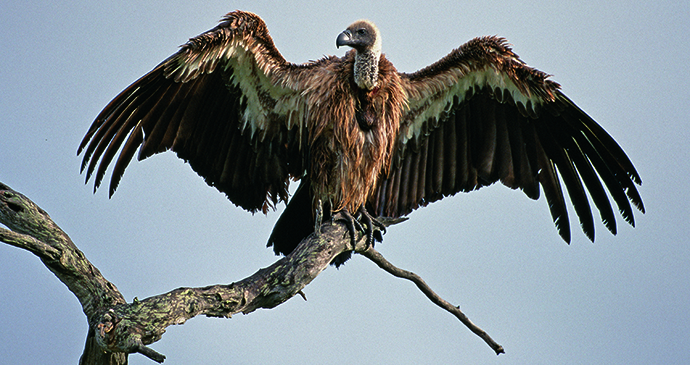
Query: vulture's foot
[(374, 229), (364, 222), (351, 224)]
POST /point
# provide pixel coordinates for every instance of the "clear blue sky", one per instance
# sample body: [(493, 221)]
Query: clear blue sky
[(621, 300)]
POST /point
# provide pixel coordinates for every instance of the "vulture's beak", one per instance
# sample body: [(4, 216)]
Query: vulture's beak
[(344, 39)]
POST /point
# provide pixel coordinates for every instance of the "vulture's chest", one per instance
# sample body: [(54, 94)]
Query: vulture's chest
[(354, 149)]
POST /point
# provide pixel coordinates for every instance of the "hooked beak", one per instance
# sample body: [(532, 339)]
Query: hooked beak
[(344, 39)]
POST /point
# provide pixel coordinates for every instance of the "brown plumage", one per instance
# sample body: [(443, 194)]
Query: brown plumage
[(361, 136)]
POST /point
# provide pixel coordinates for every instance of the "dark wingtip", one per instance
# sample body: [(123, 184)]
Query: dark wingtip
[(114, 182), (632, 173), (562, 226), (589, 233), (610, 224), (628, 216), (95, 186), (82, 167), (81, 147), (564, 233), (84, 161), (84, 141), (635, 198)]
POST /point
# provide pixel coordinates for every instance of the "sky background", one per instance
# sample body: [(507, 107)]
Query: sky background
[(494, 252)]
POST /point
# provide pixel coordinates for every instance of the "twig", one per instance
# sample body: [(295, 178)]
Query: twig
[(379, 260)]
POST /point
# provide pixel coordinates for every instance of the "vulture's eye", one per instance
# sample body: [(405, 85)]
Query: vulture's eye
[(361, 31)]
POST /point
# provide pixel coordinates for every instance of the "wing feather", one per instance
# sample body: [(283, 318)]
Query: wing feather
[(503, 160), (593, 184), (102, 133), (485, 116), (113, 138), (548, 178), (484, 152), (227, 102), (407, 178), (437, 160), (133, 140), (556, 146), (467, 175), (422, 164), (453, 144)]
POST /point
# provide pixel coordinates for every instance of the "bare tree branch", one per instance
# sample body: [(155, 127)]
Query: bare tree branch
[(118, 328), (377, 258)]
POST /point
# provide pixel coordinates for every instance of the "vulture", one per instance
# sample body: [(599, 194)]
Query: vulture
[(363, 139)]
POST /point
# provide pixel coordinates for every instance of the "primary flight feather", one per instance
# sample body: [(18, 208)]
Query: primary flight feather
[(362, 138)]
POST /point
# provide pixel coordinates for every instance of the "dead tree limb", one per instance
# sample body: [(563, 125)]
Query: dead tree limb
[(381, 261), (118, 328)]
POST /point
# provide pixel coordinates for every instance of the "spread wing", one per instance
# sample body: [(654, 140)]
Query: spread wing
[(227, 102), (480, 115)]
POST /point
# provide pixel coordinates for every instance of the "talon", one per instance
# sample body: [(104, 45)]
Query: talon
[(350, 223), (369, 231), (363, 221), (375, 229), (378, 235)]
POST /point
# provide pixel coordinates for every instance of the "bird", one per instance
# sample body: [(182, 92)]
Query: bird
[(364, 140)]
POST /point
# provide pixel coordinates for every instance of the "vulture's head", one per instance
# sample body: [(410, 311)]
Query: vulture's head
[(365, 38), (362, 35)]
